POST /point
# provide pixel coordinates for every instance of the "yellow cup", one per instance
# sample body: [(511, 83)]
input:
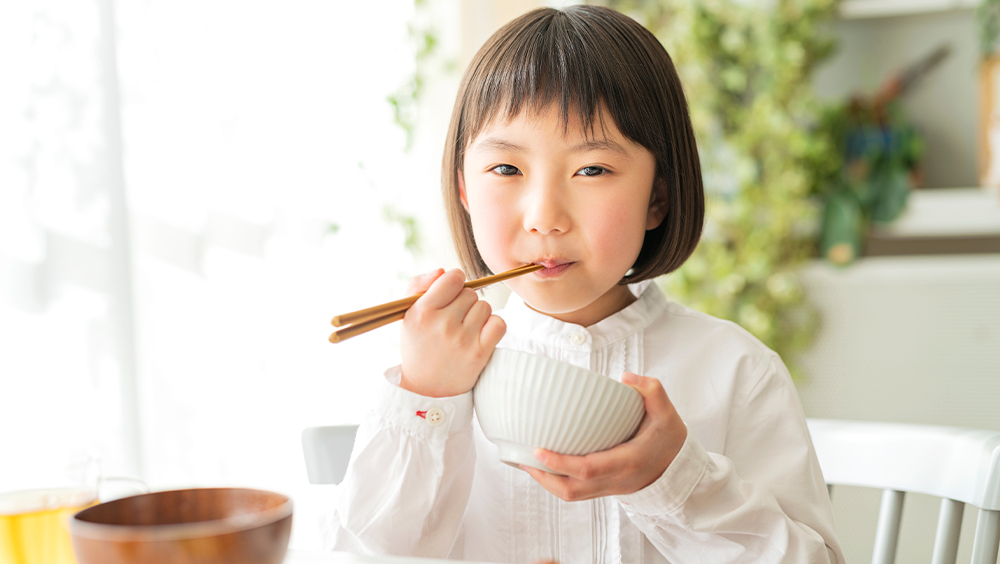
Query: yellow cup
[(34, 524)]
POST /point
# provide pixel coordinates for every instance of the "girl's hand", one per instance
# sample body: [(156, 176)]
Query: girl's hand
[(626, 468), (448, 335)]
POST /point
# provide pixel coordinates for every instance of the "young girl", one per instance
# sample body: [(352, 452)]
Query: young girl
[(571, 146)]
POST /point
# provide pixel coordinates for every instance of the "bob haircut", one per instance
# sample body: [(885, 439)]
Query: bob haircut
[(591, 60)]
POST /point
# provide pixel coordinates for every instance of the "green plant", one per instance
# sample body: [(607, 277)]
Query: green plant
[(868, 179), (875, 163), (988, 21), (408, 223), (405, 102), (405, 99), (746, 70)]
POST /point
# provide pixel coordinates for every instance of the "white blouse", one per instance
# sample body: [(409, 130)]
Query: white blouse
[(745, 487)]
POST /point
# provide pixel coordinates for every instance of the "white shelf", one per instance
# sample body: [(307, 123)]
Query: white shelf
[(865, 9), (947, 212)]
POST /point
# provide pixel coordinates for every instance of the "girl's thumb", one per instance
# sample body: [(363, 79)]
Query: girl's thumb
[(422, 282), (651, 390)]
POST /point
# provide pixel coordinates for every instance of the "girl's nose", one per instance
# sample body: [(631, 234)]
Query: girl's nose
[(545, 208)]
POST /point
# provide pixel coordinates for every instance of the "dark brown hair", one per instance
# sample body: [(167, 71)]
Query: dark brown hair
[(588, 59)]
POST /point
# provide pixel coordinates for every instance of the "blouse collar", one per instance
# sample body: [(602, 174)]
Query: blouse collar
[(526, 323)]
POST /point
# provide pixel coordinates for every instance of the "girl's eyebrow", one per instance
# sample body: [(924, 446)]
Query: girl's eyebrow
[(592, 145), (599, 145), (501, 144)]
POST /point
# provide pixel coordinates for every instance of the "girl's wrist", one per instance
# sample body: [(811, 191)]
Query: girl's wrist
[(422, 389), (410, 385)]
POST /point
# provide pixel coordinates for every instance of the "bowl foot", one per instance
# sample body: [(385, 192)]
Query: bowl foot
[(516, 454)]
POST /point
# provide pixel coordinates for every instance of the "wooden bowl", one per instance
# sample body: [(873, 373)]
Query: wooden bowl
[(194, 526)]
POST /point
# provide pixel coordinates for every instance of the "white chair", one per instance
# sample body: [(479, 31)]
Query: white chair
[(327, 451), (961, 466)]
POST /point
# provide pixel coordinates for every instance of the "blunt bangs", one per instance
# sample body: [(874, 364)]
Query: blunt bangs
[(592, 61), (559, 57)]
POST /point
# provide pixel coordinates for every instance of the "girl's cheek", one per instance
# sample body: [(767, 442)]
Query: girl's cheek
[(619, 235), (492, 231)]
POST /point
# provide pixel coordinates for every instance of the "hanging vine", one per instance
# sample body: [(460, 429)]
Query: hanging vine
[(746, 69), (405, 100)]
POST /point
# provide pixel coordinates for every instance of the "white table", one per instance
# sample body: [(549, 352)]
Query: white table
[(309, 557)]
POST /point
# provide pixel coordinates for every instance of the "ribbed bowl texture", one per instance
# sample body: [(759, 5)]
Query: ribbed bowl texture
[(524, 401)]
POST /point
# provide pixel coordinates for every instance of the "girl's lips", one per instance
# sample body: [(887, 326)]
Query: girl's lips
[(552, 269)]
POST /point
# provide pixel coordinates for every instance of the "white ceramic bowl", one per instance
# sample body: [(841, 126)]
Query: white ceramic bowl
[(524, 401)]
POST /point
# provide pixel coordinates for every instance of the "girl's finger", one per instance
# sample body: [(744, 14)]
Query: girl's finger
[(443, 290), (478, 314), (422, 282), (492, 332), (460, 306), (653, 394), (590, 467), (563, 487), (553, 483)]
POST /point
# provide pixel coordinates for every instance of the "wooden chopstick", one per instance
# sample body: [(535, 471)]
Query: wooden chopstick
[(366, 314), (365, 320), (365, 326)]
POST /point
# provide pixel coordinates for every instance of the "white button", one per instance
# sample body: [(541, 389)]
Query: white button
[(578, 338), (435, 416)]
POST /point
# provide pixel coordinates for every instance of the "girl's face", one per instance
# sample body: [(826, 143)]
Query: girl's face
[(539, 193)]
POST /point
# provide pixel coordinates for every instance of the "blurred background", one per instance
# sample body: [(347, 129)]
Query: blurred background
[(190, 190)]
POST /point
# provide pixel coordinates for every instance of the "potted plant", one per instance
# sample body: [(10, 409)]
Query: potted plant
[(875, 163)]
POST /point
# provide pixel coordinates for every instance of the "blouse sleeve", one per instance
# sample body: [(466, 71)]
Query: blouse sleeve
[(409, 477), (762, 500)]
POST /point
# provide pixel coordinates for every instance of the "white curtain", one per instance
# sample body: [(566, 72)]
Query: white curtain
[(189, 190)]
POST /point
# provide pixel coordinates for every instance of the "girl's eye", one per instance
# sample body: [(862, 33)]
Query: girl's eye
[(505, 170), (592, 171)]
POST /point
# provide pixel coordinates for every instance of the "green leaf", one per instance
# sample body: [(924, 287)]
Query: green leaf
[(894, 192)]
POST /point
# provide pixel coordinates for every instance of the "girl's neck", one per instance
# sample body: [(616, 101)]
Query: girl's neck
[(613, 301)]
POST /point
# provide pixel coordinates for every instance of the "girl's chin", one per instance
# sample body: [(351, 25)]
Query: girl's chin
[(576, 308), (556, 312), (554, 306)]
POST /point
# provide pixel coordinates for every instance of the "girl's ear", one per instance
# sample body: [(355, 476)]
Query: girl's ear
[(461, 189), (657, 204)]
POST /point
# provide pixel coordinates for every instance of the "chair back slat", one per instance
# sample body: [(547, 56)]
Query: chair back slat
[(987, 540), (948, 528), (887, 532), (960, 466), (956, 463), (327, 452)]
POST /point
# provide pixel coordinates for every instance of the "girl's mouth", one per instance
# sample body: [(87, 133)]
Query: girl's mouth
[(553, 268)]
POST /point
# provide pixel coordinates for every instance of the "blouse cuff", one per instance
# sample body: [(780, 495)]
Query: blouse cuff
[(675, 485), (423, 416)]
